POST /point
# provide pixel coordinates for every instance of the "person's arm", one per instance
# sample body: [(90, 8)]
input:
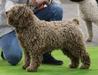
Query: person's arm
[(40, 4)]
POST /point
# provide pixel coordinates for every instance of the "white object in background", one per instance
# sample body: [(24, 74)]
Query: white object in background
[(9, 4)]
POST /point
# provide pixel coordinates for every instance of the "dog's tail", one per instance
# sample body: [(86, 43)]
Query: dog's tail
[(76, 21)]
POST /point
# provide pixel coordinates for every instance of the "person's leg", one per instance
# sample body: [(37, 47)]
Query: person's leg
[(53, 12), (11, 48), (49, 59)]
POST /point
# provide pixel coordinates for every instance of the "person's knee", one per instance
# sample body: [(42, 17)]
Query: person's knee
[(59, 10), (13, 59)]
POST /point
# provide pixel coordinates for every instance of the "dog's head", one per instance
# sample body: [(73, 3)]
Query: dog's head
[(76, 0), (18, 15)]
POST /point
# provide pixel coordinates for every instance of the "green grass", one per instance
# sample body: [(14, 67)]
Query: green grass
[(6, 69)]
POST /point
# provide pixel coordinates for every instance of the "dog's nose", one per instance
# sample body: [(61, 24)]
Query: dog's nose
[(6, 12)]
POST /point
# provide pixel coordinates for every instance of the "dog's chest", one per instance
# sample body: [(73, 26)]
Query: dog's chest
[(25, 38)]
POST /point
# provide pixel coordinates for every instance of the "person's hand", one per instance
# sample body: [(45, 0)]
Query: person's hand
[(39, 3)]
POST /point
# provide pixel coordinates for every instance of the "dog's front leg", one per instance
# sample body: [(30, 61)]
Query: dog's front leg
[(27, 59), (35, 63), (35, 58)]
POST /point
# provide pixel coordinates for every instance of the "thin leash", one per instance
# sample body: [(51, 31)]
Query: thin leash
[(27, 2), (30, 5)]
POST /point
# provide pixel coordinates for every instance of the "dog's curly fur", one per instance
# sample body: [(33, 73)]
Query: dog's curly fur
[(38, 37), (89, 13)]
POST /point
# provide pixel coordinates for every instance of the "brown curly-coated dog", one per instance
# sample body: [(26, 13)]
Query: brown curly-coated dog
[(38, 37)]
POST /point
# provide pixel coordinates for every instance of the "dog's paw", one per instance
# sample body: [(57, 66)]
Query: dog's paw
[(73, 66), (89, 40), (25, 66), (84, 67), (31, 69)]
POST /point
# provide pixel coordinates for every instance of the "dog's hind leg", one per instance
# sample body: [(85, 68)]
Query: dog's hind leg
[(74, 60), (85, 59), (90, 30)]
